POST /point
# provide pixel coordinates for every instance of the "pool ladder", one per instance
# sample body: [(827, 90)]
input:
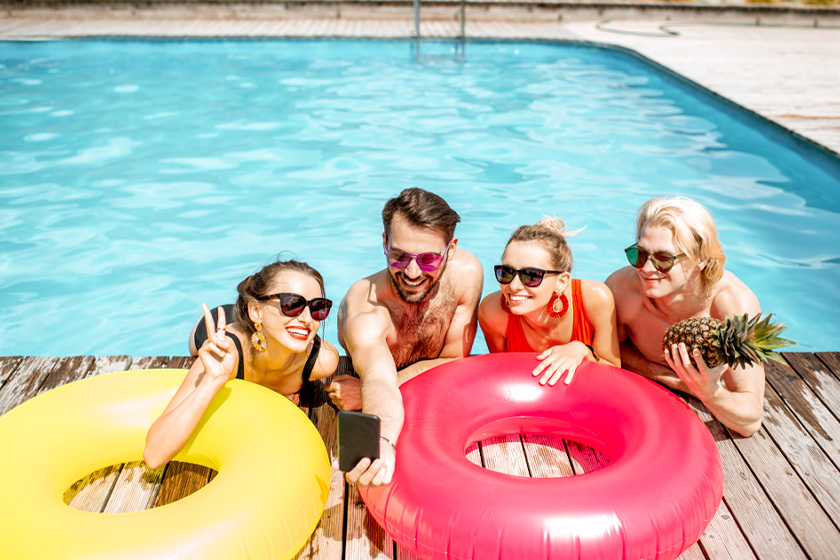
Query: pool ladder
[(417, 19)]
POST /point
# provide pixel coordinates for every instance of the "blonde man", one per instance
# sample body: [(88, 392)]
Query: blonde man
[(677, 273)]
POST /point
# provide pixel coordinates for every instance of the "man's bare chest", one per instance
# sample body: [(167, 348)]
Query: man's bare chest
[(420, 334)]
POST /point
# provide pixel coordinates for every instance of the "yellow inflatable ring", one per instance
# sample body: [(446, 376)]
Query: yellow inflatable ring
[(265, 502)]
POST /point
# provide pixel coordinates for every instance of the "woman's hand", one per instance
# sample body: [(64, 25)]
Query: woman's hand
[(559, 359), (218, 353)]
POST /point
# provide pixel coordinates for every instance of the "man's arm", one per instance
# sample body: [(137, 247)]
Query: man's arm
[(364, 335), (735, 396), (633, 360)]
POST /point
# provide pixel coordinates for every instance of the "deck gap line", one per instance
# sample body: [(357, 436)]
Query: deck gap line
[(345, 517)]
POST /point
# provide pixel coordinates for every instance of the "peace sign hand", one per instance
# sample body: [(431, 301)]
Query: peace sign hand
[(218, 353)]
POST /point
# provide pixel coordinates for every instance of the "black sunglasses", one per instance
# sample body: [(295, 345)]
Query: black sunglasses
[(662, 261), (293, 305), (531, 277)]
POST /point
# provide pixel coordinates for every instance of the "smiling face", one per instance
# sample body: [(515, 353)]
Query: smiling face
[(293, 333), (522, 299), (411, 283), (656, 284)]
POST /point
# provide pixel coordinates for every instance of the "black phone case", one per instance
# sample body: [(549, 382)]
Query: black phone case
[(358, 437)]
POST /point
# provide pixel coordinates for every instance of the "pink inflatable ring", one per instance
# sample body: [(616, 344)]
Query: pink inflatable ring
[(654, 500)]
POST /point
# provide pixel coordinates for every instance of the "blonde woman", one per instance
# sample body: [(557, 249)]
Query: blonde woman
[(541, 308)]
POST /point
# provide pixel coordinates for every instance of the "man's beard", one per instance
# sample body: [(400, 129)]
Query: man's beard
[(410, 296)]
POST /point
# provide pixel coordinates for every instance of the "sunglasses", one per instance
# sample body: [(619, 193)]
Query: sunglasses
[(662, 261), (293, 305), (531, 277), (427, 262)]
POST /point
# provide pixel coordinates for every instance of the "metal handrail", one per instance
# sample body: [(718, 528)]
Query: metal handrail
[(417, 19)]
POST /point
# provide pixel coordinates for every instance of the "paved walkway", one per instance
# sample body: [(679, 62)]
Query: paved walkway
[(785, 70)]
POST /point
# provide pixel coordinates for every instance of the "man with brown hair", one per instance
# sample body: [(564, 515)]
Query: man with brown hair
[(417, 313)]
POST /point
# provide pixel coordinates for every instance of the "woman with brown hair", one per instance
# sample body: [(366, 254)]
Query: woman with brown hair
[(273, 342)]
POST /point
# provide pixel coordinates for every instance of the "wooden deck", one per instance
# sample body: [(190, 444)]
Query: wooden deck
[(781, 491)]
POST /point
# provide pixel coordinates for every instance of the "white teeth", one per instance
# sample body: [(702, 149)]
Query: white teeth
[(518, 298), (299, 332)]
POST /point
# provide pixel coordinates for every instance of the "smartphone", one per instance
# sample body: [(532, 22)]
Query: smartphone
[(358, 437)]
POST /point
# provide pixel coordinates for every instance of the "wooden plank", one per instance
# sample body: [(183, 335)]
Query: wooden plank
[(801, 511), (150, 362), (25, 382), (181, 479), (363, 538), (182, 362), (810, 411), (403, 554), (8, 365), (585, 459), (91, 492), (65, 371), (473, 454), (547, 456), (753, 511), (831, 360), (137, 486), (693, 553), (327, 539), (818, 377), (723, 538), (810, 462), (366, 540), (505, 454)]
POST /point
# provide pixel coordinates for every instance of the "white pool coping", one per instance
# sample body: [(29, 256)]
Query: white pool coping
[(786, 72)]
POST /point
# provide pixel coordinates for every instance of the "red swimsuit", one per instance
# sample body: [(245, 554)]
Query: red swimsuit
[(582, 329)]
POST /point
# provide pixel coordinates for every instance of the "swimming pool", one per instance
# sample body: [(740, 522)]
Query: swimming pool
[(143, 177)]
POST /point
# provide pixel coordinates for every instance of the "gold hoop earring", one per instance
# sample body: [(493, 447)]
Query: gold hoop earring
[(258, 338)]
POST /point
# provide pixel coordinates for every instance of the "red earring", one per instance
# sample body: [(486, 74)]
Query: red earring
[(552, 305)]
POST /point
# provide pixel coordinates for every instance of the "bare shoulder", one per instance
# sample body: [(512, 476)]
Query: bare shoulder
[(362, 311), (624, 285), (491, 307), (466, 279), (732, 297), (596, 294), (327, 361), (468, 268)]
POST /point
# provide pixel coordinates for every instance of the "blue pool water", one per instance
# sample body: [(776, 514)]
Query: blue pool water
[(141, 178)]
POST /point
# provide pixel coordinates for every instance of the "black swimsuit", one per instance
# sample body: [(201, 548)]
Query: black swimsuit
[(307, 368)]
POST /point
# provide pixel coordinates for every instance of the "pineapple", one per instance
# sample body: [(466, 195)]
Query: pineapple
[(736, 341)]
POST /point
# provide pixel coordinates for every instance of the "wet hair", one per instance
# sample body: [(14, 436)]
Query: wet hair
[(695, 233), (258, 284), (421, 209), (550, 234)]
